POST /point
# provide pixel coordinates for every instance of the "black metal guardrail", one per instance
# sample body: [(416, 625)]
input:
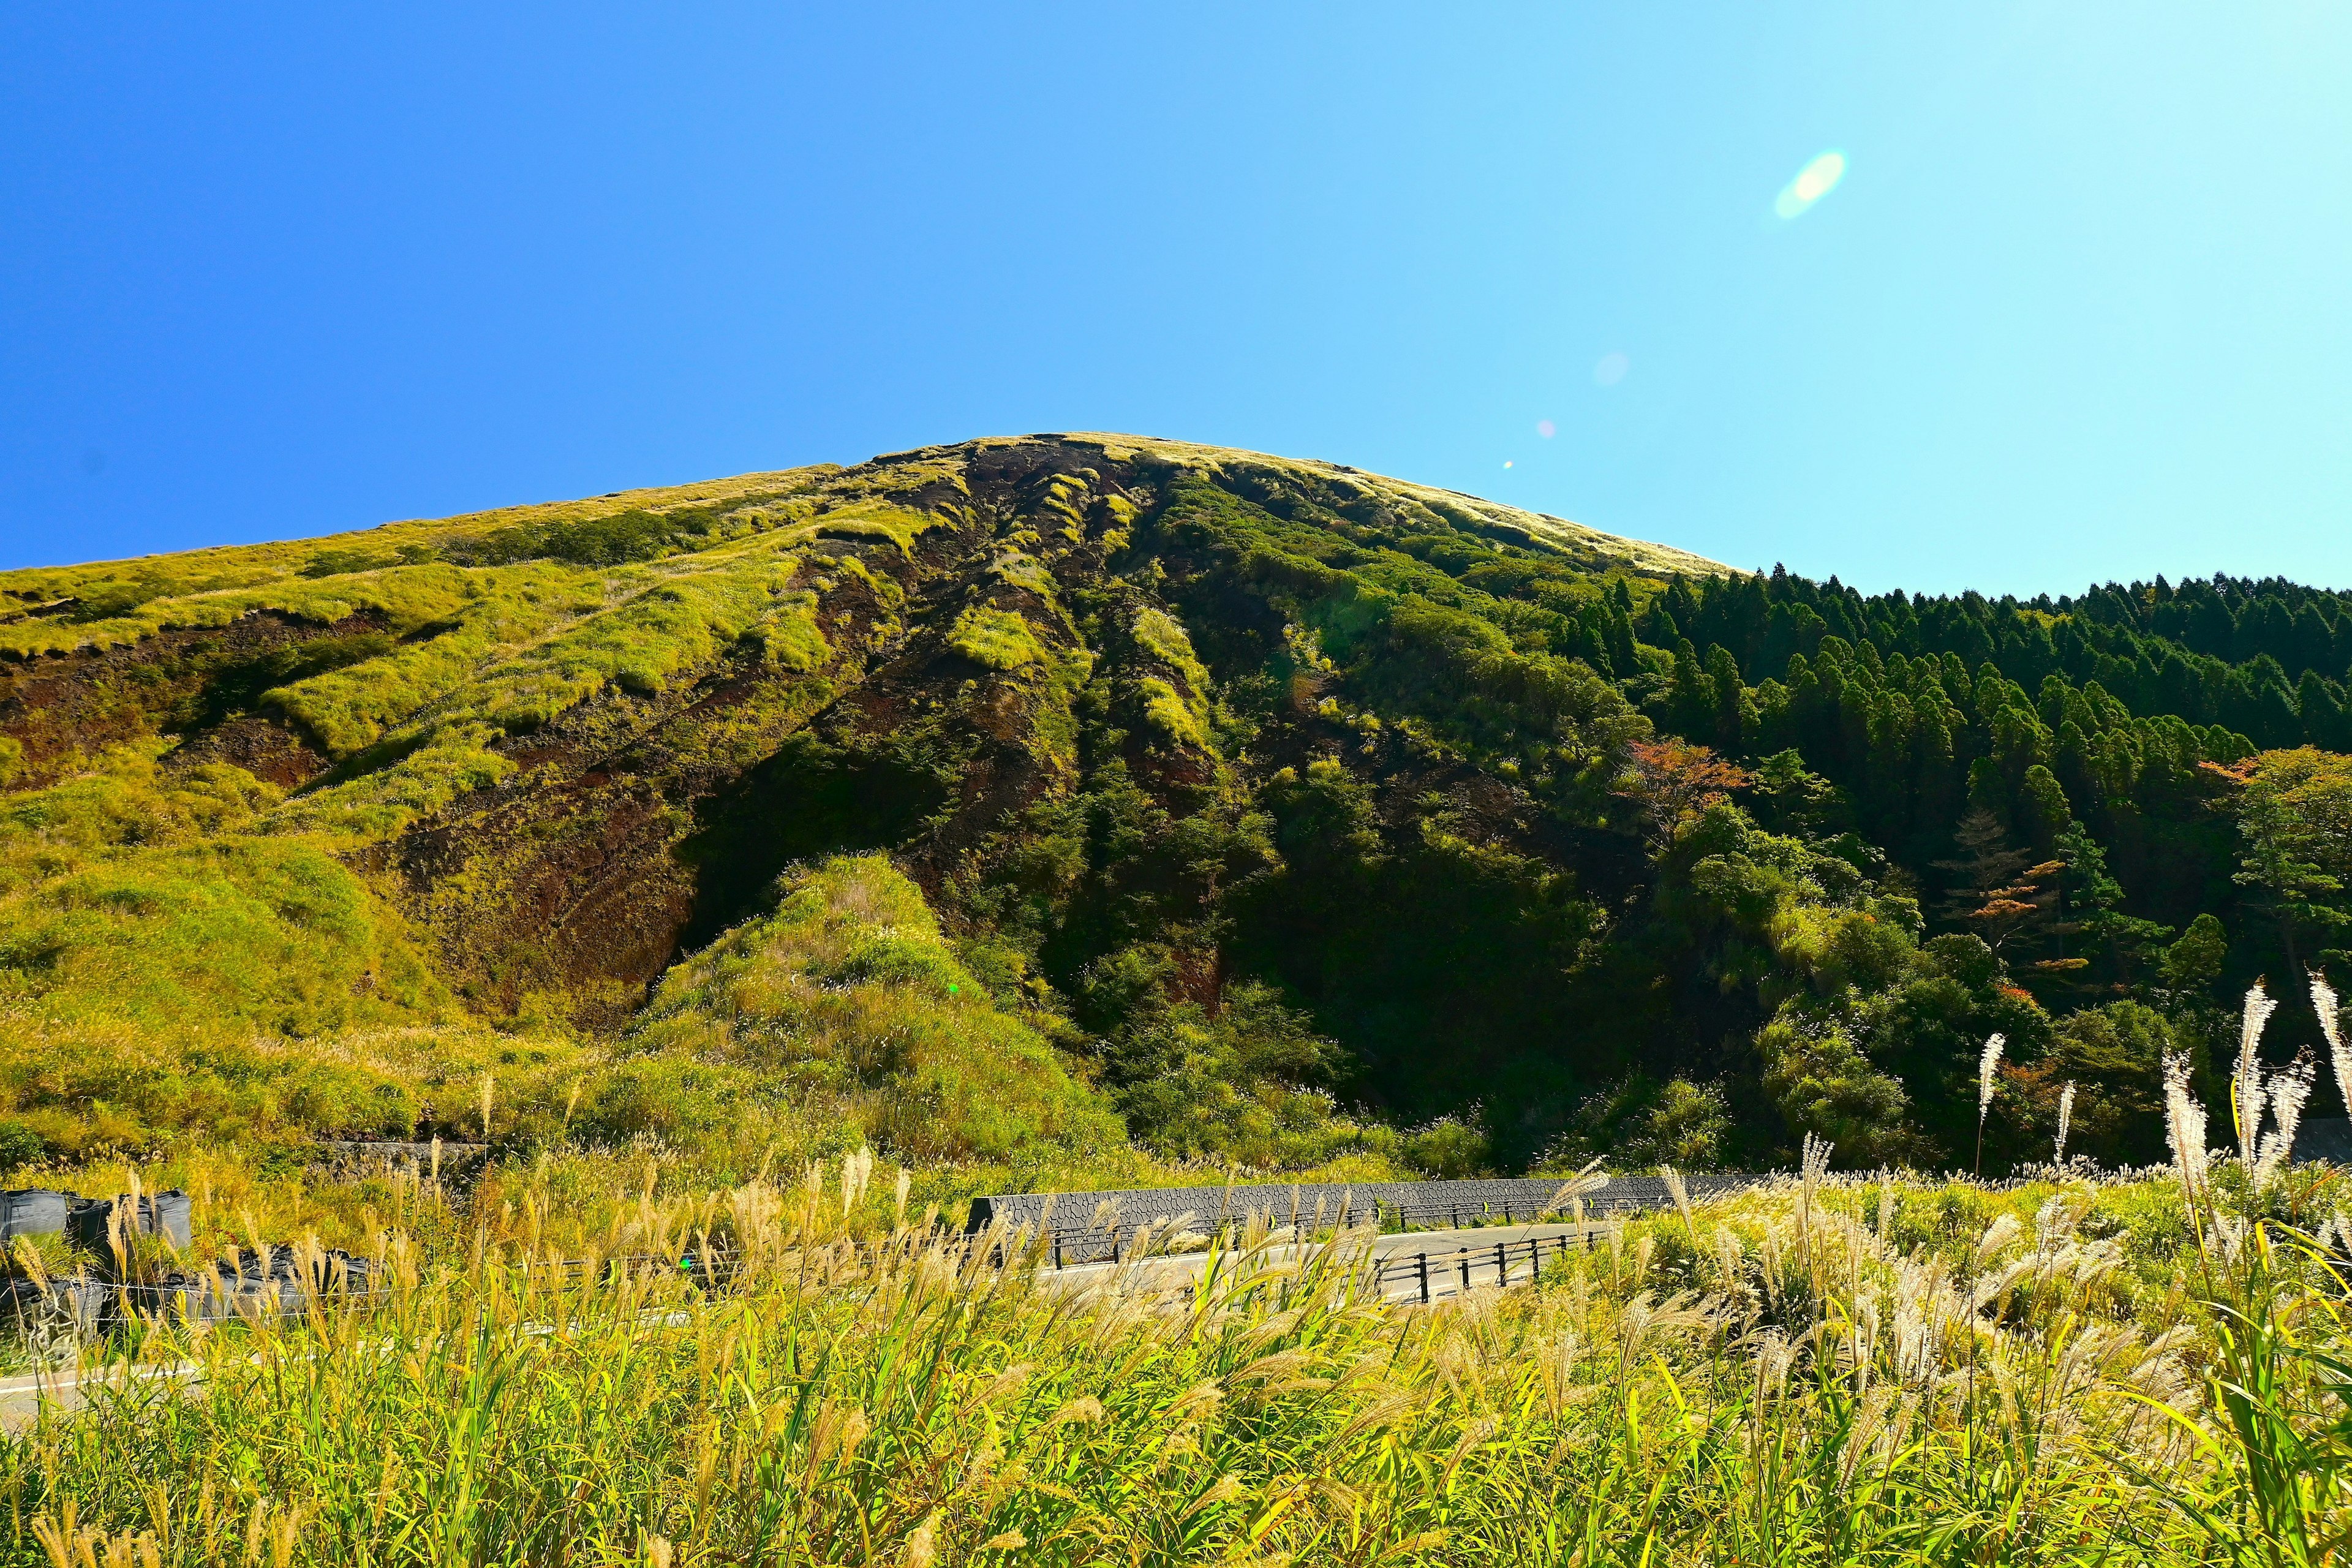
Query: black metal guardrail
[(1466, 1261), (1096, 1227)]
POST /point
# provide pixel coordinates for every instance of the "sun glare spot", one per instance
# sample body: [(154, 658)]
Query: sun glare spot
[(1814, 181), (1507, 462), (1610, 369), (1546, 428)]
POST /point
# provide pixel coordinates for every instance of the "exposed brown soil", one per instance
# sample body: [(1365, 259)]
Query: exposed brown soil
[(635, 824), (59, 707)]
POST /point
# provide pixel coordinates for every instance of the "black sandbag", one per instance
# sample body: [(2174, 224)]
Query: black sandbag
[(86, 1305), (168, 1214), (274, 1282), (179, 1295), (241, 1298), (20, 1301), (218, 1294), (86, 1223), (340, 1271), (33, 1211)]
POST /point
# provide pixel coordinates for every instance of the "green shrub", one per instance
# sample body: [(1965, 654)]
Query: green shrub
[(996, 639), (849, 991)]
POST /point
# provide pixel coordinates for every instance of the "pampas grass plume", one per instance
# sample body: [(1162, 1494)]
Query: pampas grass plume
[(1986, 1067)]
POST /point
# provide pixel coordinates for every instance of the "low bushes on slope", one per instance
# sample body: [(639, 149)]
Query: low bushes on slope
[(152, 985), (156, 960), (849, 992), (134, 893)]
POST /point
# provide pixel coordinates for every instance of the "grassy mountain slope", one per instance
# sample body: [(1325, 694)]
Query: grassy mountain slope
[(1276, 808)]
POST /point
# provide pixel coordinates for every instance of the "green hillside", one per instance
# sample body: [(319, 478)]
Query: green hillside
[(1093, 801)]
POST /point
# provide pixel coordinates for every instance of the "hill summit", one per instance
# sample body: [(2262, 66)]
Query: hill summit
[(1253, 810)]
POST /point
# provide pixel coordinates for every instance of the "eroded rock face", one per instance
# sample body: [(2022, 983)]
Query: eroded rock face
[(1074, 685), (195, 683), (634, 821), (638, 825)]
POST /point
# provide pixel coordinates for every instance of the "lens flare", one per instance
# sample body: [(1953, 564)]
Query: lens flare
[(1507, 462), (1814, 181), (1610, 369), (1546, 428)]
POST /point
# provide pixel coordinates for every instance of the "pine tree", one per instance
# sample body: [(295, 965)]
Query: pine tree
[(1996, 892), (2193, 963)]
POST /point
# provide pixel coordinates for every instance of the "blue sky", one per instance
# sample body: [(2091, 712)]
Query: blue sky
[(2077, 309)]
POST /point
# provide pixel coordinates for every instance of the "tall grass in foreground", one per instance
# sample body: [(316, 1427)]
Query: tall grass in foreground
[(1823, 1371), (2273, 1295), (1786, 1386)]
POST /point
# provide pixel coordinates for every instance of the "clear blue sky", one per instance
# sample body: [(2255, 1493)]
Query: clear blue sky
[(2080, 307)]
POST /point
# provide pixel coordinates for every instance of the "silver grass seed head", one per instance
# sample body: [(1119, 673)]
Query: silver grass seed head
[(1816, 1161), (1987, 1065), (2246, 1076), (2324, 1001), (2066, 1121), (2290, 1089), (2184, 1122)]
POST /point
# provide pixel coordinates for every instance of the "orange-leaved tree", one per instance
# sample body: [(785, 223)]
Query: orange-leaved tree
[(1674, 781)]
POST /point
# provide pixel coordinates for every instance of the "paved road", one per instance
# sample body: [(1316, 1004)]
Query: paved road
[(21, 1397), (1449, 1253)]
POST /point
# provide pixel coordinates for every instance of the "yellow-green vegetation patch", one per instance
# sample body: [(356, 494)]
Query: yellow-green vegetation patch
[(104, 603), (849, 992), (995, 639), (890, 476), (878, 520), (1180, 714), (134, 894), (110, 1084), (666, 622), (788, 637), (503, 610), (405, 596), (663, 621), (1170, 714), (886, 590), (1019, 569), (155, 955), (1064, 497), (1575, 539), (1162, 636), (450, 761)]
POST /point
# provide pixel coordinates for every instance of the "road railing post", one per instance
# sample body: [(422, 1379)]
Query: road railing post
[(1424, 1279)]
